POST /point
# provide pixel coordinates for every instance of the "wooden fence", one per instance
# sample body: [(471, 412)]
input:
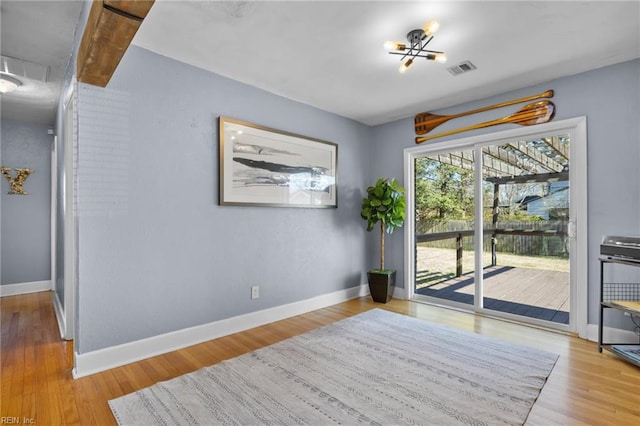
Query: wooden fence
[(539, 238)]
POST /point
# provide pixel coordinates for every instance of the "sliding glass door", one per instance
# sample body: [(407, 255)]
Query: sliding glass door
[(493, 226), (445, 249), (526, 183)]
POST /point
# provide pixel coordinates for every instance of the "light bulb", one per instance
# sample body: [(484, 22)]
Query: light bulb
[(404, 67), (393, 45), (8, 83), (431, 27), (441, 58)]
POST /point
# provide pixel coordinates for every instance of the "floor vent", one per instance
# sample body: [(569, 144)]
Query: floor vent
[(462, 67)]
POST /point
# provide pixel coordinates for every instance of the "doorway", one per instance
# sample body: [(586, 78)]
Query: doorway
[(492, 224), (63, 257)]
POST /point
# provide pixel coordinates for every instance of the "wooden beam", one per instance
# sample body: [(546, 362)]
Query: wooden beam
[(497, 158), (534, 178), (137, 8), (499, 166), (110, 28), (559, 146), (538, 156)]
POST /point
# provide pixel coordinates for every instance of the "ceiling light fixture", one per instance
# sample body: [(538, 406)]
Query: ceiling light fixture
[(8, 84), (417, 46)]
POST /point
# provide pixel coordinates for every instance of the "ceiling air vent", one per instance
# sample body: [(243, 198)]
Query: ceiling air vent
[(465, 66), (21, 68)]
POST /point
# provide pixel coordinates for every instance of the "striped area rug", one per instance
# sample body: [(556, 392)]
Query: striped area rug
[(377, 368)]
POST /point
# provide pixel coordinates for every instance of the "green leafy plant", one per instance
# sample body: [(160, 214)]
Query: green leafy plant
[(384, 204)]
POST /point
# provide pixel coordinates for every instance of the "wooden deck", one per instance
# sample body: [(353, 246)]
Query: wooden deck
[(534, 293)]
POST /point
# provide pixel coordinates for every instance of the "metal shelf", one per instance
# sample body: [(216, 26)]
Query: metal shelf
[(610, 293), (628, 358)]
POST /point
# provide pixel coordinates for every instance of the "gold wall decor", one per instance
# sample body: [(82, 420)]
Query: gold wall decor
[(16, 182)]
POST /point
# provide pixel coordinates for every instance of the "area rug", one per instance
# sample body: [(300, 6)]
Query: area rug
[(377, 368)]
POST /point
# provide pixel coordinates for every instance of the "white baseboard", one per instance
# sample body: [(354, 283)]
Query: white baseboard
[(611, 335), (24, 288), (399, 293), (115, 356), (57, 307)]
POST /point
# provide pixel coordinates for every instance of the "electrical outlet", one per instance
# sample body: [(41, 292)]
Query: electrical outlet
[(255, 292)]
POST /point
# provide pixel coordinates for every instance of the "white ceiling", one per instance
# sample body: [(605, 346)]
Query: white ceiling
[(329, 53), (40, 32)]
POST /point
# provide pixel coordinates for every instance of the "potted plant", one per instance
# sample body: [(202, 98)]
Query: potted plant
[(384, 203)]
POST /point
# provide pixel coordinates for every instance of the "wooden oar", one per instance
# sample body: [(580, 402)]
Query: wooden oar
[(426, 122), (528, 115)]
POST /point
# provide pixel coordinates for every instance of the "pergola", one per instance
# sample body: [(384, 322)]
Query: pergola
[(519, 162)]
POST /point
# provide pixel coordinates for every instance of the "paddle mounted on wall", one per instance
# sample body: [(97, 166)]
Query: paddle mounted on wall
[(530, 114)]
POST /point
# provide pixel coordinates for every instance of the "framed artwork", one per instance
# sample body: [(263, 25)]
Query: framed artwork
[(260, 166)]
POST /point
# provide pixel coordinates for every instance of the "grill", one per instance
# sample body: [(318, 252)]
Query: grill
[(624, 248)]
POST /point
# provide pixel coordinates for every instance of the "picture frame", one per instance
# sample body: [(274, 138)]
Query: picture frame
[(261, 166)]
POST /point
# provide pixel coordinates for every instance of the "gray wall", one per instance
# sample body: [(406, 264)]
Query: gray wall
[(610, 99), (156, 252), (26, 219)]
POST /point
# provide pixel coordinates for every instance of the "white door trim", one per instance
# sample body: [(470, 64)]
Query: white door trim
[(577, 129), (54, 206), (70, 243)]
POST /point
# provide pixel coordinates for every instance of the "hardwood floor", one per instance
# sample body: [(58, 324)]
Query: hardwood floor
[(585, 387)]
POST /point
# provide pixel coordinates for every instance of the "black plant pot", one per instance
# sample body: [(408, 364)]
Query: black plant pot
[(381, 285)]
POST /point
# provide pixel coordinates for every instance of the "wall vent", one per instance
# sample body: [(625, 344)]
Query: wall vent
[(462, 67)]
